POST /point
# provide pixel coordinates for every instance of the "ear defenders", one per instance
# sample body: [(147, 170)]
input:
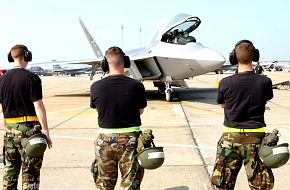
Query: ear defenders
[(233, 57), (105, 64), (26, 53)]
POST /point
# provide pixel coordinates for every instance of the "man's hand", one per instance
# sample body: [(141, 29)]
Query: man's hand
[(48, 139)]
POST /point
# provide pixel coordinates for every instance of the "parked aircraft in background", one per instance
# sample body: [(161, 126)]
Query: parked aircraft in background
[(275, 65), (267, 66), (226, 67), (40, 71), (172, 55), (58, 69)]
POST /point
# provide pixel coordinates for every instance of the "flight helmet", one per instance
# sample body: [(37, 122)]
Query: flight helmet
[(151, 158), (274, 156), (35, 145)]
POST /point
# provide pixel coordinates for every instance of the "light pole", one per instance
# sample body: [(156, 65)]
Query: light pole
[(140, 30), (122, 28)]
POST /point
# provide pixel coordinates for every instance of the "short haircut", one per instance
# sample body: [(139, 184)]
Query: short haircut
[(245, 52), (17, 51), (118, 55)]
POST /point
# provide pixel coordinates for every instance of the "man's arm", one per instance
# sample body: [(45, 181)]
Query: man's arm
[(41, 115), (2, 122)]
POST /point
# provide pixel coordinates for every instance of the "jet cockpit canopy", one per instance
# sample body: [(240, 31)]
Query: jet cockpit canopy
[(179, 28)]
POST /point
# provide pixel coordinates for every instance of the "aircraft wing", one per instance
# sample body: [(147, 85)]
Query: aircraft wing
[(95, 63), (87, 62), (72, 71)]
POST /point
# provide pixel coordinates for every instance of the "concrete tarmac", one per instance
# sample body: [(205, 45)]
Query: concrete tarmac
[(188, 129)]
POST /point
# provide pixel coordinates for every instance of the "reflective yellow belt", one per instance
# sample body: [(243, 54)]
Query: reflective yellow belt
[(21, 119), (238, 130), (119, 130)]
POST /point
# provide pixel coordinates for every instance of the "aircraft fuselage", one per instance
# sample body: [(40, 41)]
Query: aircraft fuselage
[(175, 61)]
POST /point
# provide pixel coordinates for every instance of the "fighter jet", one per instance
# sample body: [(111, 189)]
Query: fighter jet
[(58, 69), (226, 67), (172, 55)]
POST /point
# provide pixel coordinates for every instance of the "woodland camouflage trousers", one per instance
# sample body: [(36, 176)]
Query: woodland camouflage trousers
[(14, 158), (235, 149), (113, 151)]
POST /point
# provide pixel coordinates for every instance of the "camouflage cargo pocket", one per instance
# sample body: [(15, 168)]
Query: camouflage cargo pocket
[(263, 177), (132, 143), (221, 173), (94, 170)]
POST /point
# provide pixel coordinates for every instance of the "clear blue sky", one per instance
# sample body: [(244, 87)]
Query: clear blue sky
[(51, 30)]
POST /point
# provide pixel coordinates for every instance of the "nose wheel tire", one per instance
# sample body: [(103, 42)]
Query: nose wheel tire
[(168, 95)]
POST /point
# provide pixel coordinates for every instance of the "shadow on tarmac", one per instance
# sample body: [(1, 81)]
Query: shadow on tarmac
[(73, 95), (196, 94), (203, 95), (178, 188)]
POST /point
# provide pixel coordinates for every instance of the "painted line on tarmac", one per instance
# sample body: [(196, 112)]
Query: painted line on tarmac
[(159, 144), (72, 137), (66, 110), (177, 109), (187, 146)]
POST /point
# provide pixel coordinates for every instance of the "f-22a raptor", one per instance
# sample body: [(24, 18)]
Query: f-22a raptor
[(172, 56)]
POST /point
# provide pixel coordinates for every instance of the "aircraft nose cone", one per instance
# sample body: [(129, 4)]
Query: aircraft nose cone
[(212, 59)]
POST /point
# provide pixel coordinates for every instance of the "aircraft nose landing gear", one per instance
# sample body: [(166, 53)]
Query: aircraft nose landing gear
[(168, 94)]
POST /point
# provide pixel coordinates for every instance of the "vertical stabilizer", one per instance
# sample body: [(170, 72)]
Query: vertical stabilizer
[(91, 40)]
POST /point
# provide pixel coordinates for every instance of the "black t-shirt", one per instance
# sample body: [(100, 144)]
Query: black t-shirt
[(19, 88), (244, 96), (118, 100)]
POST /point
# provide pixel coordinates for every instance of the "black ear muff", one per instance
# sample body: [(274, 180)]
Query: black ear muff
[(256, 55), (105, 65), (27, 55), (233, 57), (10, 58), (127, 62)]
